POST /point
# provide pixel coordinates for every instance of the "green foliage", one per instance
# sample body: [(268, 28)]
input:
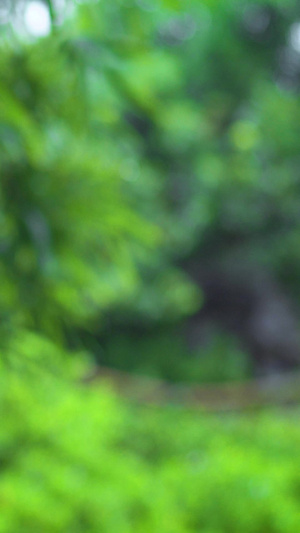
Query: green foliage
[(75, 459), (137, 133), (163, 353), (134, 135), (65, 219)]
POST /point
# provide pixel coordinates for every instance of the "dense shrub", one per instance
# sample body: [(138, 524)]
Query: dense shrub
[(79, 459)]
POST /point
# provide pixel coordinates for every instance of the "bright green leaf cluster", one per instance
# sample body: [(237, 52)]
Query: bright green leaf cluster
[(78, 459)]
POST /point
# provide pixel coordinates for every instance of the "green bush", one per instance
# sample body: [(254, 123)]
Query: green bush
[(165, 354), (76, 458)]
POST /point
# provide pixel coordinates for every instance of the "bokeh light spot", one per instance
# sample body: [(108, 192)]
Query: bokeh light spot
[(37, 19)]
